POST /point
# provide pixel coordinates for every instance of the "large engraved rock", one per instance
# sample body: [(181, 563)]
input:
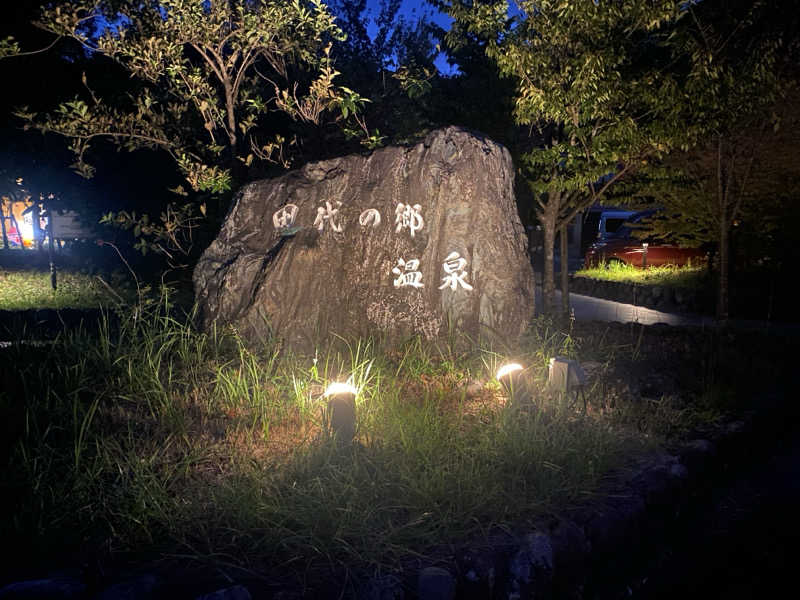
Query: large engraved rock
[(420, 240)]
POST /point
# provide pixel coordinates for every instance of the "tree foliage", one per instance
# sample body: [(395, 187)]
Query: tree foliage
[(393, 66), (222, 68), (733, 62), (223, 87), (9, 47), (590, 88)]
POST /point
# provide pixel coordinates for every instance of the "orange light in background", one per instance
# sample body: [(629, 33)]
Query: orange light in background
[(19, 230)]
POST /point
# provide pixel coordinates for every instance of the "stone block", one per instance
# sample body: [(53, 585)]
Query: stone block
[(422, 240)]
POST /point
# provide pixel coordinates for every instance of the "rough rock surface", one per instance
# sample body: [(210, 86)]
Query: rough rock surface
[(406, 240)]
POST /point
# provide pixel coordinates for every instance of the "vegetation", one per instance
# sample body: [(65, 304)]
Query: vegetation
[(147, 437), (734, 62), (584, 94), (153, 437), (591, 88), (685, 277), (30, 290), (393, 67), (219, 68)]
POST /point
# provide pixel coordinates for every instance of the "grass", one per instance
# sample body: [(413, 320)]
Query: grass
[(684, 277), (31, 289), (154, 438)]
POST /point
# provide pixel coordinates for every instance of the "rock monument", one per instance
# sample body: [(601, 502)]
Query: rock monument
[(421, 240)]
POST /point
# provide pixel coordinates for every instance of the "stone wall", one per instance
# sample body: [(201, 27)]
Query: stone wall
[(658, 297)]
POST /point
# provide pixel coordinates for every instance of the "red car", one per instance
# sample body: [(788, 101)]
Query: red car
[(615, 243)]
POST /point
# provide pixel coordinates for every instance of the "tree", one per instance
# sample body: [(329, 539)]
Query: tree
[(762, 167), (221, 65), (211, 79), (394, 68), (476, 95), (734, 57), (591, 91)]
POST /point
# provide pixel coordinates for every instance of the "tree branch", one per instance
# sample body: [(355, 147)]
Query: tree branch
[(32, 52)]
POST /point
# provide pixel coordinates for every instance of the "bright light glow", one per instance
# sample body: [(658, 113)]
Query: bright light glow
[(23, 233), (340, 388), (26, 228), (507, 369)]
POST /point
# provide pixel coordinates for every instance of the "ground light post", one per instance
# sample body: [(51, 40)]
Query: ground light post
[(510, 377), (566, 376), (341, 412)]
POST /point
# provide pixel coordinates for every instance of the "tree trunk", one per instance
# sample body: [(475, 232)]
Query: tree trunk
[(531, 258), (548, 278), (725, 221), (53, 271), (724, 269), (3, 225), (564, 271)]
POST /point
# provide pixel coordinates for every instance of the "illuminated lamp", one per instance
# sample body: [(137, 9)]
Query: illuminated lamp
[(508, 369), (341, 413), (510, 377)]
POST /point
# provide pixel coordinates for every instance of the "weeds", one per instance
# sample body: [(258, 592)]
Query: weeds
[(162, 438)]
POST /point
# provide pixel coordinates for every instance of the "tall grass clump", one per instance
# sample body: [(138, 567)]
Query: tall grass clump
[(151, 436)]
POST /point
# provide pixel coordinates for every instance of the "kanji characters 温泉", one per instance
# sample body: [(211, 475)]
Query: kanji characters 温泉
[(408, 273), (453, 266)]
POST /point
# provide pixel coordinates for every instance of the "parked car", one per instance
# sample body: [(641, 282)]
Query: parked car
[(615, 243)]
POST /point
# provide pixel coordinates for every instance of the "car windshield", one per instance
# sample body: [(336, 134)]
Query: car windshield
[(622, 232), (624, 229), (613, 225)]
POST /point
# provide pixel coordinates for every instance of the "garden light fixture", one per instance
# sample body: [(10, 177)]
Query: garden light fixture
[(507, 369), (338, 387), (510, 377), (566, 376), (341, 413)]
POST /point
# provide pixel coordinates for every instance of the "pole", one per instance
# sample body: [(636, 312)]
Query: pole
[(51, 255), (564, 270), (3, 224)]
